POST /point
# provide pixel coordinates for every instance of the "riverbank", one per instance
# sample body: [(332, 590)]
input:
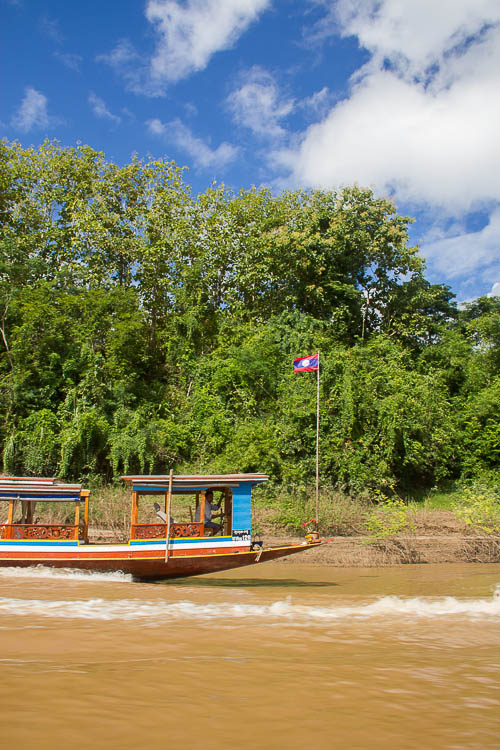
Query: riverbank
[(398, 550), (437, 537), (422, 535)]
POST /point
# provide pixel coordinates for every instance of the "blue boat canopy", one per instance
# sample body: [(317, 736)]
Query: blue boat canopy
[(191, 482)]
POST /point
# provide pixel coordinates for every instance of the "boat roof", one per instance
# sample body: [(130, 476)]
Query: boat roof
[(43, 489), (160, 482)]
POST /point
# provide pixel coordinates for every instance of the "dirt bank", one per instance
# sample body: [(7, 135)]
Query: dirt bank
[(438, 538)]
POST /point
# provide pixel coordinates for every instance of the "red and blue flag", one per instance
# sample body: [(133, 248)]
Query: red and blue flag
[(306, 364)]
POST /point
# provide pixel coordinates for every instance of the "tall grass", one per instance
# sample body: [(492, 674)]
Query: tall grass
[(289, 508)]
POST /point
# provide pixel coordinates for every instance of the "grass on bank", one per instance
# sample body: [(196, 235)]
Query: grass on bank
[(474, 505), (435, 498)]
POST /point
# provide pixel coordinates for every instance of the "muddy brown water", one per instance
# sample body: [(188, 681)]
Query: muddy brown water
[(272, 656)]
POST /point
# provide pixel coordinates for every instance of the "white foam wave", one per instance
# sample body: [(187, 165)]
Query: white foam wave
[(160, 611), (39, 571)]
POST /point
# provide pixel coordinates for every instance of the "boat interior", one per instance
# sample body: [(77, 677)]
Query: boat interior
[(167, 506), (22, 496)]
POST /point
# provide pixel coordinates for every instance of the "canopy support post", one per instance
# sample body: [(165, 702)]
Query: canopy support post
[(202, 512), (85, 496), (134, 515), (227, 512), (77, 519), (10, 518), (167, 510)]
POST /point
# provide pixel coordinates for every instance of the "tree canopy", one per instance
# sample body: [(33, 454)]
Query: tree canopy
[(144, 328)]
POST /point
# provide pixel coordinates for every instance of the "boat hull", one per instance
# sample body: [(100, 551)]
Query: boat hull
[(155, 567)]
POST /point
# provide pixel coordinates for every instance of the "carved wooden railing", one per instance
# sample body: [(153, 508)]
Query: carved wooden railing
[(191, 528), (159, 530), (50, 532), (148, 531)]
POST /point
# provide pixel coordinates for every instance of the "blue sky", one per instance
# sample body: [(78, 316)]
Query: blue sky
[(402, 96)]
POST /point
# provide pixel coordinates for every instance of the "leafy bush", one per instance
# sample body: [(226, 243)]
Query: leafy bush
[(339, 514), (34, 448), (479, 509), (390, 517)]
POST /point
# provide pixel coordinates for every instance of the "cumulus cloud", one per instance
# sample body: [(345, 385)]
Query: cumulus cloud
[(191, 33), (416, 35), (258, 104), (100, 109), (187, 36), (422, 119), (318, 104), (32, 113), (464, 254), (203, 155)]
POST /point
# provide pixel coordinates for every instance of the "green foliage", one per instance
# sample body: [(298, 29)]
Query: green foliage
[(83, 444), (479, 508), (338, 513), (34, 446), (480, 445), (142, 443), (390, 517), (143, 329), (387, 423)]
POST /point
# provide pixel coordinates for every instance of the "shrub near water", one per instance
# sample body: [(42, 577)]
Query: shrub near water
[(479, 509), (390, 517), (338, 513)]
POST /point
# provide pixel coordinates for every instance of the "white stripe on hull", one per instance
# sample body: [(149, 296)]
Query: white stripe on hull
[(58, 547)]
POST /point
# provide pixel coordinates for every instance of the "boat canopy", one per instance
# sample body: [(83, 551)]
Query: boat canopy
[(159, 483), (239, 486), (40, 489)]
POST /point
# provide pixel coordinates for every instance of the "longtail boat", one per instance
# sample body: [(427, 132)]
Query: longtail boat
[(168, 547)]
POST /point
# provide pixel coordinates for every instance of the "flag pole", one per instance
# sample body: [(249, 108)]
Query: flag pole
[(317, 445)]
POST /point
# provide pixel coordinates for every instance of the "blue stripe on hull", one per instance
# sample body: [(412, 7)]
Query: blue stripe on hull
[(30, 543)]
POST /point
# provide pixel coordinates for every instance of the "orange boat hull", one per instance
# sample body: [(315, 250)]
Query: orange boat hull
[(156, 567)]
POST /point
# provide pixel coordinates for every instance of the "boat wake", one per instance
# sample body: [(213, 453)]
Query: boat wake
[(73, 574), (160, 611)]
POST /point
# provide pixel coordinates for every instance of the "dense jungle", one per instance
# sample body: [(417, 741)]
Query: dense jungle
[(144, 328)]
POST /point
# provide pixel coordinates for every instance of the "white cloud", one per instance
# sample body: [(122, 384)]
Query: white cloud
[(156, 127), (318, 103), (188, 34), (126, 62), (32, 113), (464, 254), (122, 55), (432, 141), (420, 122), (69, 59), (100, 109), (495, 290), (418, 32), (180, 135), (258, 104)]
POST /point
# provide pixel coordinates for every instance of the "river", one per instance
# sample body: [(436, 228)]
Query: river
[(276, 655)]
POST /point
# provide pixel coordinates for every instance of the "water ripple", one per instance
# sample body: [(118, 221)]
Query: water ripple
[(159, 611)]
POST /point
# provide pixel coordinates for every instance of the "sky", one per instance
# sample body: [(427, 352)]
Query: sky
[(401, 96)]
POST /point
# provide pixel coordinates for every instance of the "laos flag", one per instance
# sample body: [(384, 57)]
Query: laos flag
[(306, 364)]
